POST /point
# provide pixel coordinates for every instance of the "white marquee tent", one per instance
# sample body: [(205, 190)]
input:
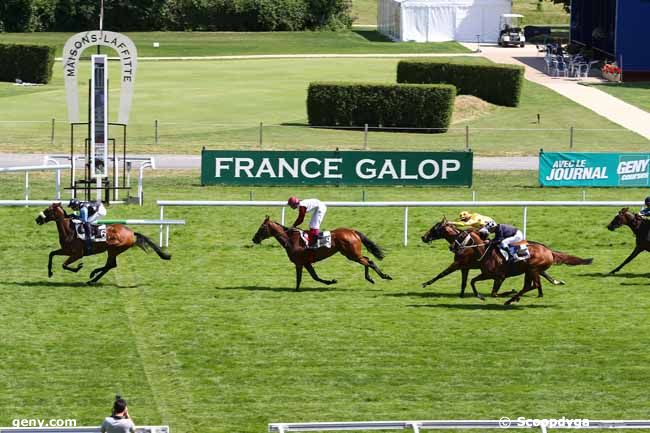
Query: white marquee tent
[(441, 20)]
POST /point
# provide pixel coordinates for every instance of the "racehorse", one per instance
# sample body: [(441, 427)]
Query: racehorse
[(640, 228), (118, 239), (463, 260), (345, 241), (495, 267)]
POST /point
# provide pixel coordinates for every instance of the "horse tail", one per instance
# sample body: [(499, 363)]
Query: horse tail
[(566, 259), (372, 247), (145, 243)]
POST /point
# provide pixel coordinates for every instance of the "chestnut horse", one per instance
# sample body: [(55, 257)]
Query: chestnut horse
[(639, 226), (495, 267), (118, 239), (463, 260), (345, 241)]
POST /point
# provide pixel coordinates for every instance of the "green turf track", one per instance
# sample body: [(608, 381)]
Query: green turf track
[(216, 340), (220, 104)]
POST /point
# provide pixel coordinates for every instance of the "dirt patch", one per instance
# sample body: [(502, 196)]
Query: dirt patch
[(468, 107)]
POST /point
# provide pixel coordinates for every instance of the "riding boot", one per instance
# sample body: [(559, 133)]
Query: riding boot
[(88, 243), (313, 237)]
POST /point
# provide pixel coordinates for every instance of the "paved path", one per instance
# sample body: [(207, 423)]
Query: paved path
[(604, 104), (194, 161)]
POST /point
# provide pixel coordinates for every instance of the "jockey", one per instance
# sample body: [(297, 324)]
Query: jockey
[(469, 220), (89, 212), (505, 235), (318, 210), (645, 211)]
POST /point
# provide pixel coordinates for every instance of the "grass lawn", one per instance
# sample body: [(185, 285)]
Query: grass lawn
[(366, 12), (220, 104), (217, 341), (174, 44), (637, 94)]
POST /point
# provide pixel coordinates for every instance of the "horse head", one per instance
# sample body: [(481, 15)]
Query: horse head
[(264, 232), (440, 230), (53, 212), (623, 217)]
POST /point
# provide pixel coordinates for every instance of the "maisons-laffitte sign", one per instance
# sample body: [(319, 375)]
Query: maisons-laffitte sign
[(125, 49)]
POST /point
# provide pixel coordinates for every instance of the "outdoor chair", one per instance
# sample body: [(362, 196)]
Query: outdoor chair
[(560, 67)]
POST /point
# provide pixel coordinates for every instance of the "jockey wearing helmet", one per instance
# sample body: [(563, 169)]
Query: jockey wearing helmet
[(471, 220), (504, 235), (89, 212), (645, 211), (318, 210)]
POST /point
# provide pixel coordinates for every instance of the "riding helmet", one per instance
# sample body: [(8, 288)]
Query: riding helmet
[(293, 201)]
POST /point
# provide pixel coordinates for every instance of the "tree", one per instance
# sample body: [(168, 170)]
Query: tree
[(566, 3), (15, 15)]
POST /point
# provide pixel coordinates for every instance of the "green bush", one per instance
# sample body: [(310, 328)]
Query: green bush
[(29, 63), (496, 83), (387, 105)]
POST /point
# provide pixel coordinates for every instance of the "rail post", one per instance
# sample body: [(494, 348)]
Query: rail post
[(365, 136), (282, 217), (467, 137), (26, 185), (525, 220), (162, 217), (406, 226), (52, 132), (571, 132), (155, 133), (261, 139)]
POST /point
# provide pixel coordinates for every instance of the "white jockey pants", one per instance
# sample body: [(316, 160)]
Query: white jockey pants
[(101, 212), (519, 236), (317, 217)]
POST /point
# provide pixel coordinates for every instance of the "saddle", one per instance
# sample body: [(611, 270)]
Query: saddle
[(98, 232), (519, 251), (324, 239)]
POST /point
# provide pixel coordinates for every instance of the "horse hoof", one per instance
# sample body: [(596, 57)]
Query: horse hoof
[(481, 297), (424, 285), (333, 282), (388, 277), (49, 274)]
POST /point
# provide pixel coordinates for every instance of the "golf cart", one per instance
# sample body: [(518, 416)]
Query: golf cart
[(510, 32)]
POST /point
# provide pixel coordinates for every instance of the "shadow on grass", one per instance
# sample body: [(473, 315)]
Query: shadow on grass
[(275, 289), (372, 35), (617, 275), (48, 283), (426, 295), (481, 306)]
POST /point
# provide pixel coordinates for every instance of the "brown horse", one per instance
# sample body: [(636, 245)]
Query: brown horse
[(345, 241), (118, 239), (495, 267), (639, 226), (464, 260)]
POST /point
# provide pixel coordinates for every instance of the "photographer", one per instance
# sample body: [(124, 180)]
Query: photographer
[(119, 421)]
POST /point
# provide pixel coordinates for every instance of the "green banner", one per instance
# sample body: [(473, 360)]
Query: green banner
[(234, 167), (594, 169)]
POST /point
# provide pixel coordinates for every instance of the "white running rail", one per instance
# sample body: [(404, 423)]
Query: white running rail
[(97, 429), (45, 167), (503, 423), (406, 205)]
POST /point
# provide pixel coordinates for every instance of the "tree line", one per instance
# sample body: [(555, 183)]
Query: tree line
[(175, 15)]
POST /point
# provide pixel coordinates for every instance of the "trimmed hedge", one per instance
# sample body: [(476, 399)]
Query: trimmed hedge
[(386, 105), (29, 63), (496, 83)]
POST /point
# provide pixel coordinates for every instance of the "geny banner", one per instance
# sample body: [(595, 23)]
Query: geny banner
[(594, 169), (233, 167)]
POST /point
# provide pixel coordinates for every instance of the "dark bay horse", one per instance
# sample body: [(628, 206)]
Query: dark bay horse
[(464, 260), (118, 239), (495, 267), (345, 241), (639, 226)]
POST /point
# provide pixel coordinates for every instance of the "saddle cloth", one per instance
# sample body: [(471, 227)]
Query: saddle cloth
[(324, 239), (520, 251), (98, 231)]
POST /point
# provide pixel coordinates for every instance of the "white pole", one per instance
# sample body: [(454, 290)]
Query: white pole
[(26, 185), (406, 226), (116, 178), (283, 210), (167, 236), (162, 216), (525, 219), (58, 184)]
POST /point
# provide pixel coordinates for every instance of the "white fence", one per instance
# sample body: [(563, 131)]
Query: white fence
[(45, 167), (406, 205), (97, 429), (503, 423)]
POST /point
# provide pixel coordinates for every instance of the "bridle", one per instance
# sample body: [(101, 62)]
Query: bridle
[(467, 241)]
